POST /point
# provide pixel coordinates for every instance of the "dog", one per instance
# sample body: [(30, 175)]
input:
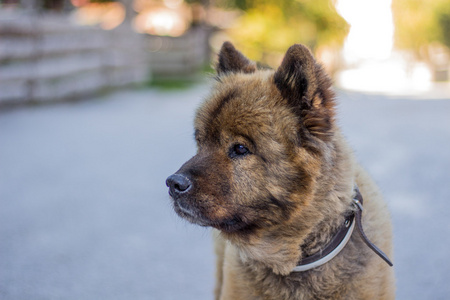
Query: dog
[(277, 181)]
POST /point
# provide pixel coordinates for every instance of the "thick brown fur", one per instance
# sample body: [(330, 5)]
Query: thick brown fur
[(275, 178)]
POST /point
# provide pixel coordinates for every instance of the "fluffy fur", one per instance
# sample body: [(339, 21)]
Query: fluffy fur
[(274, 176)]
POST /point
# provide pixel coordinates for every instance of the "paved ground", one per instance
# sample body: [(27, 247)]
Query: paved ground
[(84, 211)]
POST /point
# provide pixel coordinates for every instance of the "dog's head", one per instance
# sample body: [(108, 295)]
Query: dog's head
[(264, 142)]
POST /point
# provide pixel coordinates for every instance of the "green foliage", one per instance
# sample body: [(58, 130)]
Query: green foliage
[(421, 22), (181, 82), (172, 83), (269, 27), (443, 16)]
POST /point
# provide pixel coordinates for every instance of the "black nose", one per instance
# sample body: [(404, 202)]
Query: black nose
[(178, 184)]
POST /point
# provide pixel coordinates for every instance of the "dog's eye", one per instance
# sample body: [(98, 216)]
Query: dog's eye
[(238, 150)]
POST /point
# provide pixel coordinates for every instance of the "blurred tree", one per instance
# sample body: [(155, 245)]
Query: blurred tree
[(418, 23), (444, 22), (268, 27)]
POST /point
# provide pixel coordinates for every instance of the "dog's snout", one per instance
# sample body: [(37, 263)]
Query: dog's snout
[(178, 184)]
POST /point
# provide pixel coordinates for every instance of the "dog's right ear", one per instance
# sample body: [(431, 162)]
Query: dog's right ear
[(233, 61)]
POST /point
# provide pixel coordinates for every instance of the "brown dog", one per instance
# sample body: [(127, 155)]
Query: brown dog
[(275, 177)]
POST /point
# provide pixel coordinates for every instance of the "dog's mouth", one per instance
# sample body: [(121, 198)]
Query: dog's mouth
[(189, 213), (194, 215)]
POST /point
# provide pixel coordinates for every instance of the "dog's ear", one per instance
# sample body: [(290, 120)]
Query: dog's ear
[(302, 81), (231, 60)]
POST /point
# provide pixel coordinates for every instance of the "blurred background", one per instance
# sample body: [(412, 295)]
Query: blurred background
[(97, 100)]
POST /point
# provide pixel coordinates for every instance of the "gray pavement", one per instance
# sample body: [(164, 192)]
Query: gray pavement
[(84, 211)]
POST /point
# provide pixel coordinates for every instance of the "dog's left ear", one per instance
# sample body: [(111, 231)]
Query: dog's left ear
[(302, 81), (231, 60)]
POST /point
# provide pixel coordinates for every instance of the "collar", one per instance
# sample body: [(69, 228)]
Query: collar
[(341, 238)]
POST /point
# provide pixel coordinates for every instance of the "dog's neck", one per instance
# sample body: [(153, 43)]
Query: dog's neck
[(318, 247), (326, 252), (299, 241)]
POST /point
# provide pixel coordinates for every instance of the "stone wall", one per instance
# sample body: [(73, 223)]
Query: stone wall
[(48, 58)]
